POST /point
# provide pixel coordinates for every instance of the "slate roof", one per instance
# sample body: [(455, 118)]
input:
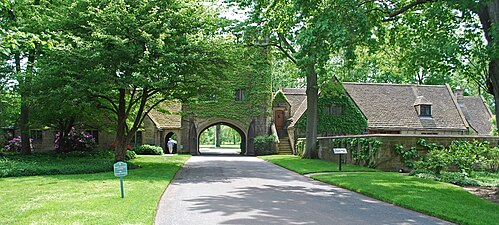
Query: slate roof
[(297, 99), (391, 106), (478, 114), (166, 115)]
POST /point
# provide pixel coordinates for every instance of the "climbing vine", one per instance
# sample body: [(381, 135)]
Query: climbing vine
[(279, 98), (350, 121), (253, 82), (363, 150), (408, 157)]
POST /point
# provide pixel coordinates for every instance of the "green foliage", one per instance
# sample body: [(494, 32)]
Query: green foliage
[(130, 155), (408, 156), (279, 97), (264, 145), (15, 165), (363, 150), (227, 136), (465, 156), (300, 147), (251, 74), (148, 150), (351, 120)]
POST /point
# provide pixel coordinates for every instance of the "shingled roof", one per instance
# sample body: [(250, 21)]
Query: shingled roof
[(391, 106), (166, 115), (477, 114), (297, 99)]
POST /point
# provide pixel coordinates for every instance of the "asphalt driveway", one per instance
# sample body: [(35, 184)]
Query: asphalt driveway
[(248, 190)]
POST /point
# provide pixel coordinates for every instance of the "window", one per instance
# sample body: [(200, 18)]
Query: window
[(333, 110), (425, 110), (240, 95), (137, 138), (95, 135), (35, 135)]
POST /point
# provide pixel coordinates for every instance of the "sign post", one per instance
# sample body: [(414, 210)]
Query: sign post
[(121, 170), (340, 151)]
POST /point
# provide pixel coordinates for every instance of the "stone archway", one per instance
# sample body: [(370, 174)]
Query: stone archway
[(197, 127), (232, 124), (243, 142)]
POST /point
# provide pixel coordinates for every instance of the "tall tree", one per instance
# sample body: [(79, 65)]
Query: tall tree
[(132, 55), (487, 11), (22, 23), (309, 33)]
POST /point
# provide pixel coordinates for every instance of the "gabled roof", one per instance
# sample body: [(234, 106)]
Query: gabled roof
[(297, 99), (166, 115), (478, 114), (392, 106)]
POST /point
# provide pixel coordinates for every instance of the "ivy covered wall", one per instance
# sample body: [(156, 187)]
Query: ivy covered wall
[(251, 82), (349, 121)]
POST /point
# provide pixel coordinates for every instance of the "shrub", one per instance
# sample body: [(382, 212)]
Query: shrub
[(408, 156), (75, 141), (300, 147), (148, 150), (264, 145), (14, 145), (130, 155)]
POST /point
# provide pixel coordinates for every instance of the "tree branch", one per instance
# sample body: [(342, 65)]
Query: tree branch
[(115, 107), (409, 6)]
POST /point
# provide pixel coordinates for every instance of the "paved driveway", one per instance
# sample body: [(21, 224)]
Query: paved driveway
[(247, 190)]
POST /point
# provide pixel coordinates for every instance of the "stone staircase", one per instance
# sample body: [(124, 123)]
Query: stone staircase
[(284, 146)]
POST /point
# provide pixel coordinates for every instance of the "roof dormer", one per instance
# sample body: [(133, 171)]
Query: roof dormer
[(423, 107)]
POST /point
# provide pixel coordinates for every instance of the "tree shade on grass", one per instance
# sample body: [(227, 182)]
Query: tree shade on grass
[(446, 201), (305, 166), (439, 199), (89, 198)]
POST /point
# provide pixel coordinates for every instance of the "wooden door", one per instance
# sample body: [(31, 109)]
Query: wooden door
[(279, 119)]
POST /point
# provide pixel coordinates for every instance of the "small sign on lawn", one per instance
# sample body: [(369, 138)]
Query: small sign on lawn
[(340, 151), (121, 170)]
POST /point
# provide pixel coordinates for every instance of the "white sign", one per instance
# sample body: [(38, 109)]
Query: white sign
[(120, 169), (340, 150)]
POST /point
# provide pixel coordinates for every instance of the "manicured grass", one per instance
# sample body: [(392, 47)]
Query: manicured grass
[(439, 199), (51, 163), (88, 198), (305, 166)]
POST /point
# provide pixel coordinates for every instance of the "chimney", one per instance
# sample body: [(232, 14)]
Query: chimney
[(459, 96)]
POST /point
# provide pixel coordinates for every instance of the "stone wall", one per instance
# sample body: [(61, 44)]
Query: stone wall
[(386, 159)]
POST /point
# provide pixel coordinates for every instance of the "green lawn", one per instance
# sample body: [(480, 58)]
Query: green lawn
[(88, 198), (305, 166), (51, 163), (439, 199)]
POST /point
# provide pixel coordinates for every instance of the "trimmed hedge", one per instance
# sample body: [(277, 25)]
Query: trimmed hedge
[(148, 150), (264, 145)]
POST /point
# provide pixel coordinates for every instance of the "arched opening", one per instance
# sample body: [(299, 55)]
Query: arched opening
[(222, 138), (170, 143)]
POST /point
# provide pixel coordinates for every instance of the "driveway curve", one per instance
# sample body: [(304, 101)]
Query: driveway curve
[(248, 190)]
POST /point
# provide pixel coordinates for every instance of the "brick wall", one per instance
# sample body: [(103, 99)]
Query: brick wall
[(386, 158)]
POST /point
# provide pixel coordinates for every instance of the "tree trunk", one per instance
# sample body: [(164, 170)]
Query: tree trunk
[(312, 92), (489, 18), (217, 136), (120, 142)]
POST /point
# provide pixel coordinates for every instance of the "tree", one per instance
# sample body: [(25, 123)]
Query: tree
[(132, 55), (309, 33), (22, 23), (487, 11)]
